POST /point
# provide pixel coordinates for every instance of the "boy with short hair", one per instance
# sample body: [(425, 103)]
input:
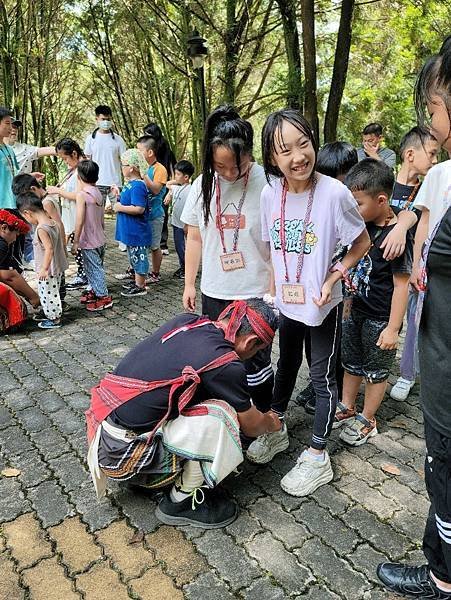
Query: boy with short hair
[(179, 189), (379, 290), (155, 180), (372, 146), (89, 236)]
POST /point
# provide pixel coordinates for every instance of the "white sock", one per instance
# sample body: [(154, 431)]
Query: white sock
[(176, 495), (317, 457), (189, 479)]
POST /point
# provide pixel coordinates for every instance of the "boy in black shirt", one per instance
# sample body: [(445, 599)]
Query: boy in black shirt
[(378, 289)]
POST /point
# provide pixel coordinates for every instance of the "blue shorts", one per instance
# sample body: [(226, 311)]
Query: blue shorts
[(139, 259), (157, 228)]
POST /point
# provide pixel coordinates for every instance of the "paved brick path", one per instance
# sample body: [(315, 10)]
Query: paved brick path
[(59, 543)]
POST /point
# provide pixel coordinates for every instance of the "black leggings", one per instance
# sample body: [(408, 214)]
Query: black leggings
[(339, 371), (324, 348), (260, 376)]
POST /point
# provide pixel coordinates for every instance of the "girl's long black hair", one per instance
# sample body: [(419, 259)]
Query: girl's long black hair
[(164, 154), (272, 135), (434, 79), (223, 127), (69, 146)]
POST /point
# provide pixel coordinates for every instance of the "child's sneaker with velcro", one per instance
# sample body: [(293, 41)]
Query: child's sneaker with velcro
[(343, 415), (359, 431)]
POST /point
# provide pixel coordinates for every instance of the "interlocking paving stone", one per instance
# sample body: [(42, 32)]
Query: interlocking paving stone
[(207, 587), (50, 503), (47, 581), (281, 524), (26, 541), (12, 500), (264, 589)]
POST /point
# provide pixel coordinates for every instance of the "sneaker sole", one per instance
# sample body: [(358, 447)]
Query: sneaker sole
[(360, 442), (326, 478), (170, 520), (133, 295), (279, 448), (399, 397), (52, 327), (98, 309)]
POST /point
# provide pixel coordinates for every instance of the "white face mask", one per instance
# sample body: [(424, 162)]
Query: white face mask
[(105, 125)]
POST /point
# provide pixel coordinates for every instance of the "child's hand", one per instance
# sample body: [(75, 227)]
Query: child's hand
[(115, 190), (326, 293), (170, 183), (415, 278), (167, 200), (117, 206), (53, 189), (74, 248), (394, 243), (189, 298), (388, 339), (38, 176), (43, 274)]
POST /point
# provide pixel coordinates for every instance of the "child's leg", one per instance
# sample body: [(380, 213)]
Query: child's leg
[(50, 299), (324, 340), (93, 266), (157, 255), (351, 386), (291, 338), (139, 262), (179, 242), (374, 394)]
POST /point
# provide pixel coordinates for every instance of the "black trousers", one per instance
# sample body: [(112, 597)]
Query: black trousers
[(437, 534), (165, 230), (339, 371), (260, 375), (324, 348)]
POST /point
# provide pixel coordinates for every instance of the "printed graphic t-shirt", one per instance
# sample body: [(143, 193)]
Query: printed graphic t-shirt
[(9, 167), (334, 218), (134, 230), (435, 193), (240, 284)]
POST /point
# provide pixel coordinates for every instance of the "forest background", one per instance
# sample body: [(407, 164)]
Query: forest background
[(343, 62)]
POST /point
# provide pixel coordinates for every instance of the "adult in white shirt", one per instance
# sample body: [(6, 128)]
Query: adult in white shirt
[(105, 147), (26, 153), (222, 213)]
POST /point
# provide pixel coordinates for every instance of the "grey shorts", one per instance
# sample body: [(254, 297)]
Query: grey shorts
[(157, 228), (359, 353)]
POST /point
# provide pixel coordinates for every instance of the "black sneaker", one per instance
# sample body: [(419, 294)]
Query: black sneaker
[(204, 508), (307, 399), (411, 582), (134, 290), (179, 274), (77, 283)]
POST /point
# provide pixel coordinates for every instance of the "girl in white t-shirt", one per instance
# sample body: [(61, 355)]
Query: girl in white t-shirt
[(304, 216), (70, 153), (222, 212)]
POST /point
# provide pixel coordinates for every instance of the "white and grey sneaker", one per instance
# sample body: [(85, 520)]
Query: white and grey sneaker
[(401, 389), (307, 475), (265, 447)]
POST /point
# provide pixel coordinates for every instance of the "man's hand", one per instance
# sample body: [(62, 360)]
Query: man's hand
[(189, 298), (395, 243), (274, 422), (43, 274), (326, 293), (388, 339), (371, 150)]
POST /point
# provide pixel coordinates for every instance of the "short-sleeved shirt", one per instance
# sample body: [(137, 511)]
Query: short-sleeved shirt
[(152, 360), (373, 275), (385, 154), (254, 279), (158, 174), (59, 260), (93, 232), (403, 198), (134, 230), (435, 193), (334, 219), (25, 154), (180, 194), (6, 256), (106, 149), (9, 167)]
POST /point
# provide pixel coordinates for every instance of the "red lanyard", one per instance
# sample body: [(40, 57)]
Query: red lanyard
[(412, 196), (219, 224), (308, 212)]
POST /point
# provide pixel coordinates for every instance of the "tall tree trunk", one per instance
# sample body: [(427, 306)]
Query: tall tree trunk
[(340, 71), (309, 48), (230, 52), (287, 10)]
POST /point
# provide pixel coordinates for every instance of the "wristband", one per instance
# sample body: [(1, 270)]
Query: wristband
[(338, 266)]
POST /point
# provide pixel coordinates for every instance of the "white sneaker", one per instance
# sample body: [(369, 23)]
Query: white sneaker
[(307, 475), (122, 247), (264, 448), (401, 389)]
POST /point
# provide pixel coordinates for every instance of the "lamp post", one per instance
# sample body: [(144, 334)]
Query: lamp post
[(197, 52)]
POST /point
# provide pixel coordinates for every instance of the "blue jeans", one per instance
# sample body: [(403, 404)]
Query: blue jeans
[(409, 360), (93, 267), (179, 242)]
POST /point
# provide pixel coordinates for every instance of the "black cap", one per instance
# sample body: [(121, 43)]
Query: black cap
[(16, 123)]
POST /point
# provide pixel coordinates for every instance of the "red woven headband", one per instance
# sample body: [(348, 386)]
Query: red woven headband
[(13, 221), (237, 311)]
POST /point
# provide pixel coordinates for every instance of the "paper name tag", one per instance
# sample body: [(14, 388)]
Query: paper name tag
[(229, 221), (293, 293), (232, 261)]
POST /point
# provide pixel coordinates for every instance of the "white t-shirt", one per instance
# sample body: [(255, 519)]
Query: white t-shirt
[(180, 194), (239, 284), (106, 151), (435, 193), (25, 154), (69, 207), (334, 218)]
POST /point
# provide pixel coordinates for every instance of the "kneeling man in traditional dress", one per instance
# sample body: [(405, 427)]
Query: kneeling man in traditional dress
[(172, 412)]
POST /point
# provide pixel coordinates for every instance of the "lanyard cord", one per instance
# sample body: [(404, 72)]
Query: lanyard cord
[(219, 224)]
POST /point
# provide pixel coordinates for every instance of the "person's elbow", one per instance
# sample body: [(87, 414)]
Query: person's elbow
[(139, 210)]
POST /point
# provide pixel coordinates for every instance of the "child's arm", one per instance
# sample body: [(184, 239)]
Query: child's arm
[(48, 254), (128, 210), (420, 237), (395, 242), (79, 221), (53, 213), (193, 255), (154, 186), (59, 191), (388, 339), (358, 248)]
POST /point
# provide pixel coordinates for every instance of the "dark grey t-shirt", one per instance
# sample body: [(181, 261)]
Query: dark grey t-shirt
[(435, 333), (385, 154)]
